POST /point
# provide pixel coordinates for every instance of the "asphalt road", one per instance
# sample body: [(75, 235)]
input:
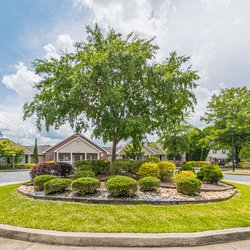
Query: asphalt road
[(13, 177), (20, 176)]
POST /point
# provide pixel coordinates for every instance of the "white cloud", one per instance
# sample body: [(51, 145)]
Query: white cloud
[(22, 81)]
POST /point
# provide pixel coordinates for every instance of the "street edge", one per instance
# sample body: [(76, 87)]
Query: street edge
[(125, 239)]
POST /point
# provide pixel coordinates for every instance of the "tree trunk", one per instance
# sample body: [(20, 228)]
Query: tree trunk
[(114, 150), (237, 153)]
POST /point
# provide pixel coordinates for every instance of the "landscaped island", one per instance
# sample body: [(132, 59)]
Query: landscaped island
[(149, 181)]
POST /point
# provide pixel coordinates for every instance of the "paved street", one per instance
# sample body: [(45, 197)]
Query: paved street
[(237, 178), (13, 177), (6, 244)]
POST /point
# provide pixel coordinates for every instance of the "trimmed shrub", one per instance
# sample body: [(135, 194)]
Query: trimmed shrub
[(211, 174), (86, 185), (61, 169), (244, 164), (166, 170), (198, 163), (125, 167), (109, 177), (149, 183), (184, 175), (189, 186), (121, 186), (151, 159), (187, 183), (56, 185), (39, 181), (85, 167), (186, 167), (80, 174), (149, 169), (97, 166)]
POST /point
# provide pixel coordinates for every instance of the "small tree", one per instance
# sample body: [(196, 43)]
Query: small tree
[(35, 152), (134, 150), (230, 107), (11, 151)]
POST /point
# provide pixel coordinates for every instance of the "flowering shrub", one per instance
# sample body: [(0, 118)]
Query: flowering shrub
[(149, 169), (166, 170), (59, 169)]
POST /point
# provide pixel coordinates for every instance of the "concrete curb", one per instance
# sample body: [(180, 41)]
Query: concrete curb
[(125, 239)]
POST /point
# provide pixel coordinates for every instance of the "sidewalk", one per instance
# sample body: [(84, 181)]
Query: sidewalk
[(7, 244)]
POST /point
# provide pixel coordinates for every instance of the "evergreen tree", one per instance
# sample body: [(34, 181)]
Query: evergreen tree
[(35, 152)]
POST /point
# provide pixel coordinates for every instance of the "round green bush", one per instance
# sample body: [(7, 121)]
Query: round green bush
[(166, 170), (81, 174), (56, 185), (84, 167), (40, 180), (121, 186), (211, 174), (149, 183), (149, 169), (186, 167), (189, 186), (86, 185), (111, 176), (151, 159)]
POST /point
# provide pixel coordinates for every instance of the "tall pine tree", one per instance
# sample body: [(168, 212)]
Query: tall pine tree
[(35, 152)]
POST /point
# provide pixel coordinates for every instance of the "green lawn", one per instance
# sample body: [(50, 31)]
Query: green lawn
[(66, 216)]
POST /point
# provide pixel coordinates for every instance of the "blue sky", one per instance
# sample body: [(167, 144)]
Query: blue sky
[(215, 33)]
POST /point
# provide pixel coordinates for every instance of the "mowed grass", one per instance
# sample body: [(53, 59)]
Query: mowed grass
[(18, 210)]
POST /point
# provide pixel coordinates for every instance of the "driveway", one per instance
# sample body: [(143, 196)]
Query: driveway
[(13, 177)]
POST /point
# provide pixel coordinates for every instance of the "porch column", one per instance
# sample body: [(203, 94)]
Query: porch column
[(71, 158), (98, 156)]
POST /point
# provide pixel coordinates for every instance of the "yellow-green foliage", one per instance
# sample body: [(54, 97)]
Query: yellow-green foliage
[(245, 164), (30, 165), (184, 175), (149, 169), (198, 163), (166, 170)]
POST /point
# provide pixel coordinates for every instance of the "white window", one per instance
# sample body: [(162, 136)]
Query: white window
[(214, 151), (224, 151), (91, 156), (64, 157)]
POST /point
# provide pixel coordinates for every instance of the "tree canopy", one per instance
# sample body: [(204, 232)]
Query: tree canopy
[(10, 150), (227, 113), (113, 84)]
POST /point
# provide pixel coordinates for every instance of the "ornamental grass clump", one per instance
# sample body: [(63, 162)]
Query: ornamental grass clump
[(210, 174), (86, 185), (40, 180), (166, 170), (57, 185), (187, 183), (148, 169), (149, 183), (86, 173), (121, 186)]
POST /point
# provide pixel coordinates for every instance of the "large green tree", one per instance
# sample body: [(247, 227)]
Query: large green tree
[(113, 84), (227, 113)]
